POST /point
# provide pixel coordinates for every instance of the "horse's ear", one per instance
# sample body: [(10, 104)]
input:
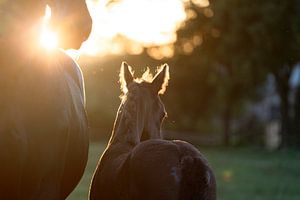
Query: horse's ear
[(126, 76), (160, 81)]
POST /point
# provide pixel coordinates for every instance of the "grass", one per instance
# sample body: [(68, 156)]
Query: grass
[(81, 191), (242, 174)]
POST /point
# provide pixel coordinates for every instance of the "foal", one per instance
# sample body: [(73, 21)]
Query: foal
[(137, 163)]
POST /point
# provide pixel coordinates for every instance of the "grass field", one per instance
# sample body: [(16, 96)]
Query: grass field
[(242, 174)]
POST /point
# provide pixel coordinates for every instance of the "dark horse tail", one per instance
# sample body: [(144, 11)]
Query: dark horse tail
[(197, 181)]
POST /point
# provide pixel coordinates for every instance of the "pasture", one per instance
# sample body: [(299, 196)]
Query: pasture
[(242, 173)]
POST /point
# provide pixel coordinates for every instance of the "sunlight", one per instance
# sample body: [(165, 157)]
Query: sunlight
[(133, 24), (201, 3), (48, 38), (148, 22)]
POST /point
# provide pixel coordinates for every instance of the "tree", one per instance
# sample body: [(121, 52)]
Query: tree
[(226, 48), (296, 119), (280, 51), (244, 40)]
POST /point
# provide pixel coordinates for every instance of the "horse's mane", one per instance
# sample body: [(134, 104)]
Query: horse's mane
[(130, 110), (131, 98)]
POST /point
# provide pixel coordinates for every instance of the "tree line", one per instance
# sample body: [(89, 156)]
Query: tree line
[(222, 57), (241, 43)]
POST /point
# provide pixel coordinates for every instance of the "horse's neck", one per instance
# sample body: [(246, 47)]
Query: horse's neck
[(124, 131), (22, 10)]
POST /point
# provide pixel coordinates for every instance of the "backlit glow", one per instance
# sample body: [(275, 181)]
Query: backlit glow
[(201, 3), (48, 38), (130, 25)]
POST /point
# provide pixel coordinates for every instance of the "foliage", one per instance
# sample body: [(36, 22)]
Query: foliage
[(225, 53), (242, 42)]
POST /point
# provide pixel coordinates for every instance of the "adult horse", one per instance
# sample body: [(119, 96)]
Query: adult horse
[(137, 163), (43, 125)]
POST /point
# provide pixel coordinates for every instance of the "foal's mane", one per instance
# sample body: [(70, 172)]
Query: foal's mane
[(147, 77)]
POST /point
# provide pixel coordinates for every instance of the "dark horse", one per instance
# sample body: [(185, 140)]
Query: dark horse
[(43, 124), (137, 163)]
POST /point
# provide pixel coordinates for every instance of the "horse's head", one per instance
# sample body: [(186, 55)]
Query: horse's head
[(142, 105), (71, 20), (20, 22)]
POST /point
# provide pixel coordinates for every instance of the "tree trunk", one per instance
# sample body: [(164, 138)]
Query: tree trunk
[(296, 120), (283, 89), (285, 121)]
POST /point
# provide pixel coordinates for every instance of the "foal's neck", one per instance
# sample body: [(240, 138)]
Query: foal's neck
[(125, 130)]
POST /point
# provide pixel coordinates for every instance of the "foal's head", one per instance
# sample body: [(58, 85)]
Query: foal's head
[(142, 108)]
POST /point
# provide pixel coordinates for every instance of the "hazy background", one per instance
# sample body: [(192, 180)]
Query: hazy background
[(234, 90), (234, 66)]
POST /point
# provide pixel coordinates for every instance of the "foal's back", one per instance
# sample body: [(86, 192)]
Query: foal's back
[(165, 170)]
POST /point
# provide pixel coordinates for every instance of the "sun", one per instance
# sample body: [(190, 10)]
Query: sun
[(127, 26), (48, 38)]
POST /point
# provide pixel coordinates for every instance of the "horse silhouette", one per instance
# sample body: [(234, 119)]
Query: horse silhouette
[(138, 163), (43, 124)]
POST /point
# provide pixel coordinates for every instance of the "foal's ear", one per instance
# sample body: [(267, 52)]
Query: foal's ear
[(160, 81), (126, 76)]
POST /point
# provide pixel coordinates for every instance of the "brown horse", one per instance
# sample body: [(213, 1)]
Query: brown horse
[(20, 20), (43, 124), (137, 163)]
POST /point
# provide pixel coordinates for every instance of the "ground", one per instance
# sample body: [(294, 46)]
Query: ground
[(242, 173)]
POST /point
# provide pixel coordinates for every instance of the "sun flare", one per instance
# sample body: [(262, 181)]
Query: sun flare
[(127, 26), (48, 38)]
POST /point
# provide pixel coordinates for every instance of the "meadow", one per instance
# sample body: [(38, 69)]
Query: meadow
[(242, 173)]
